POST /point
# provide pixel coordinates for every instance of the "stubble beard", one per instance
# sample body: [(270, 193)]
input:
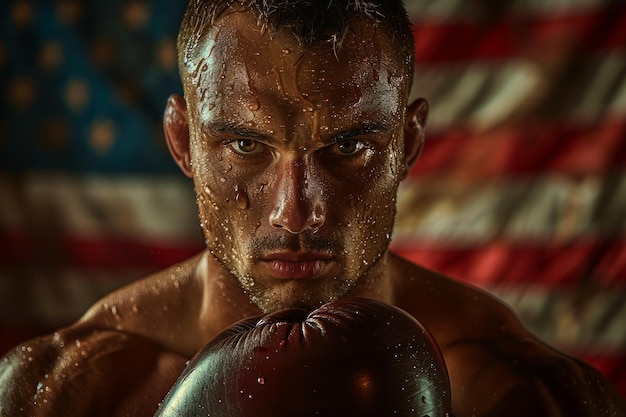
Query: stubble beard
[(295, 294), (307, 294)]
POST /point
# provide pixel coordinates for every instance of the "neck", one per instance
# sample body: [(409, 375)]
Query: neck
[(223, 301), (377, 283)]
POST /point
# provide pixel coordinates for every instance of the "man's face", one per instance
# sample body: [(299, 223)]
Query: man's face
[(296, 157)]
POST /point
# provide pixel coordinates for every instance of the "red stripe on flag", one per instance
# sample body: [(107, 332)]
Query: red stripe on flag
[(530, 149), (108, 253), (551, 264), (611, 365), (511, 36)]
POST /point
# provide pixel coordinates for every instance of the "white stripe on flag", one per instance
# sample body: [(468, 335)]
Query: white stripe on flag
[(452, 213), (463, 10), (574, 319), (142, 208), (42, 298), (484, 94)]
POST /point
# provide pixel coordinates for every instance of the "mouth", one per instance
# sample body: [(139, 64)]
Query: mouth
[(292, 265)]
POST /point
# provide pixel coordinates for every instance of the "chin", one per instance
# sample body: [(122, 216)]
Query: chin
[(295, 295), (271, 303)]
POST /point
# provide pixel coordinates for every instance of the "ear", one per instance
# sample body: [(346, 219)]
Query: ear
[(414, 132), (176, 128)]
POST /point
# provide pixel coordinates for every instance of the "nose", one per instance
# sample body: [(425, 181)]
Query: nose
[(298, 205)]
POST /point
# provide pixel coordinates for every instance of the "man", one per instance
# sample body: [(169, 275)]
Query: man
[(295, 130)]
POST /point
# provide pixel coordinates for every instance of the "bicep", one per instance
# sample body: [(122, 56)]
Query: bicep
[(99, 373), (522, 376)]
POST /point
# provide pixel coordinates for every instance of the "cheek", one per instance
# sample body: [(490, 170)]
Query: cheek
[(231, 197), (373, 186), (214, 223), (367, 213), (217, 195), (374, 215), (376, 203), (226, 217), (229, 205)]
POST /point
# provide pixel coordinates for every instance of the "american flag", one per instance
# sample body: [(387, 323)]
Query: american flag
[(520, 190)]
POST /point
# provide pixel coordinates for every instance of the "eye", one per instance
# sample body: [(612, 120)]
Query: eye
[(349, 146), (246, 146)]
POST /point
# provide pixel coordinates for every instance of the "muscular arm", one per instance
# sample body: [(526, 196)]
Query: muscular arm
[(86, 373), (496, 366), (523, 377)]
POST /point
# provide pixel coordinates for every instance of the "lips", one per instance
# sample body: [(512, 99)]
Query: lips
[(297, 266)]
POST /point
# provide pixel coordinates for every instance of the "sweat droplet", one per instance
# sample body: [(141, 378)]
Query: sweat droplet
[(254, 105), (116, 313), (260, 380), (241, 198)]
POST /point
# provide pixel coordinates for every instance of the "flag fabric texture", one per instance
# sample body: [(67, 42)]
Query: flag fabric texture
[(520, 189)]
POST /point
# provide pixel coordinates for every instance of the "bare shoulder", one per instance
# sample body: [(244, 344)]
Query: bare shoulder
[(119, 359), (450, 309), (86, 372), (497, 366), (521, 376), (161, 307)]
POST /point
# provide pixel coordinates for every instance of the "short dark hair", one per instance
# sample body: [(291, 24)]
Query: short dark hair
[(310, 21)]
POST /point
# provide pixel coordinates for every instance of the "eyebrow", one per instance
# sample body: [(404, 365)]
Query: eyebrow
[(235, 129), (365, 129)]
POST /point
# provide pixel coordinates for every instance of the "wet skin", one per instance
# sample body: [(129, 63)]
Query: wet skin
[(296, 157)]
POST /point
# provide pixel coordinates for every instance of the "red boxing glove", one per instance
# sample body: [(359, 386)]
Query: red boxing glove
[(352, 357)]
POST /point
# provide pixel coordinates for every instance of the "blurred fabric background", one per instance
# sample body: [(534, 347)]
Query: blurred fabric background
[(521, 188)]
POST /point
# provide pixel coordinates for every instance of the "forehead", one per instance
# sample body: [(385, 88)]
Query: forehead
[(236, 61)]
